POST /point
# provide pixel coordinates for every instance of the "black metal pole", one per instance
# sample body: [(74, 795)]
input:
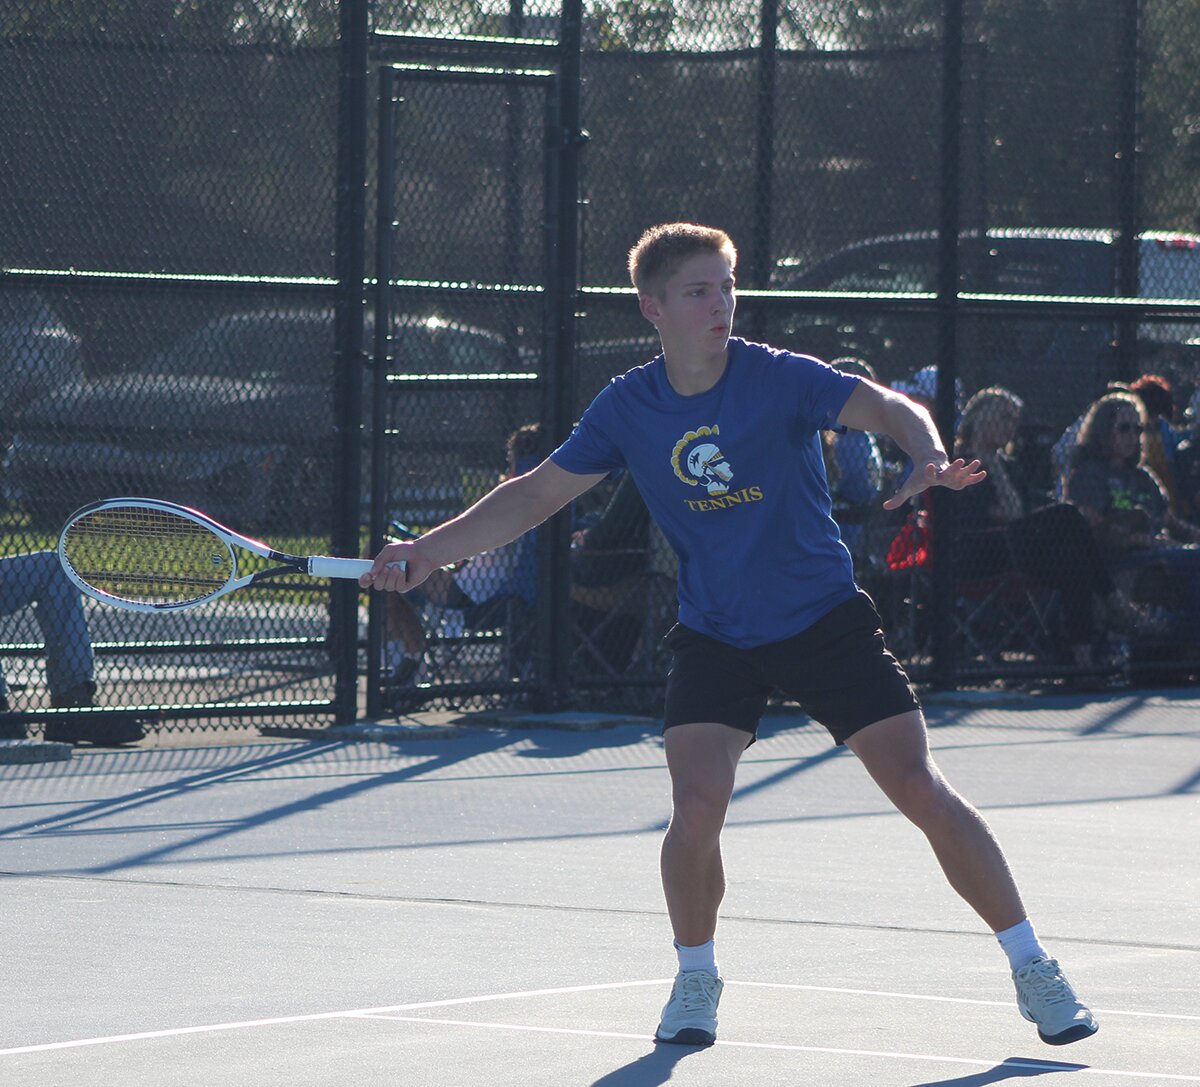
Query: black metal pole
[(349, 262), (385, 229), (764, 162), (514, 226), (563, 269), (947, 338), (1127, 181)]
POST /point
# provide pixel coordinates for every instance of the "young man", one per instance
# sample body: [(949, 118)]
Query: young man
[(722, 439)]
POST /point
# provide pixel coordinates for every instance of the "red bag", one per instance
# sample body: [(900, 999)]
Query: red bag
[(912, 546)]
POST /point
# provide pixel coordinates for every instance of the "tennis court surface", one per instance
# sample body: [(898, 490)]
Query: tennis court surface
[(485, 909)]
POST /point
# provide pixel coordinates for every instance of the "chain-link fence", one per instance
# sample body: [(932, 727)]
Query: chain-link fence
[(212, 209)]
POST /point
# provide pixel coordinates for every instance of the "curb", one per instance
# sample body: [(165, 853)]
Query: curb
[(567, 721), (27, 751)]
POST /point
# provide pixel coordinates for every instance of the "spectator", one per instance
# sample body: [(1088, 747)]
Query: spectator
[(1187, 463), (856, 475), (1063, 452), (36, 580), (609, 561), (1126, 506), (1160, 441), (479, 587), (1000, 530), (921, 388)]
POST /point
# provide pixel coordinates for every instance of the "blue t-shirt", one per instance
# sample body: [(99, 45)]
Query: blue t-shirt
[(735, 479)]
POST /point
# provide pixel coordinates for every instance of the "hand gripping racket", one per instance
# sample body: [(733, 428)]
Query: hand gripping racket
[(147, 555)]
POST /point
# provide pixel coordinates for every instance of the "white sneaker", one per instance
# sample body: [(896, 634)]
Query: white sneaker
[(1046, 998), (690, 1016)]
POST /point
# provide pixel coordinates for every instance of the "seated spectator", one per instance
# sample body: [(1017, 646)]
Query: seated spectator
[(856, 470), (1148, 547), (1001, 529), (609, 561), (1160, 441), (922, 388), (37, 580), (478, 588), (1187, 463), (1063, 452)]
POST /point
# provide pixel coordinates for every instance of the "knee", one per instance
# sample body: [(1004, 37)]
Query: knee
[(924, 797), (698, 812)]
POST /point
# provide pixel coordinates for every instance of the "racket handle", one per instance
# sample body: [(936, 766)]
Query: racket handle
[(324, 566)]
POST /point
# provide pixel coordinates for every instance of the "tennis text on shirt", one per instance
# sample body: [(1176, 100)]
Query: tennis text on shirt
[(699, 462)]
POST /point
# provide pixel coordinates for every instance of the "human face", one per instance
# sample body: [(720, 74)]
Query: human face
[(694, 315), (997, 424), (1126, 434)]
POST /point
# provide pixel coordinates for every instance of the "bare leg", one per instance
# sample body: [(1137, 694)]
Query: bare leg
[(404, 624), (895, 752), (403, 620), (702, 759)]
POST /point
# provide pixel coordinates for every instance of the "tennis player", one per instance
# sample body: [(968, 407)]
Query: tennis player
[(722, 439)]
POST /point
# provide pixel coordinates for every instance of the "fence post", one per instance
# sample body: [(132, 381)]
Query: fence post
[(764, 163), (563, 280), (1128, 87), (349, 262)]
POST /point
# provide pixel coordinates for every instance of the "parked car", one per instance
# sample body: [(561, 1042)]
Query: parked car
[(1057, 364), (235, 418), (38, 353)]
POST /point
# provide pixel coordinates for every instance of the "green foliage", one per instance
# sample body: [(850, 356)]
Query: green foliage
[(1170, 135), (633, 24)]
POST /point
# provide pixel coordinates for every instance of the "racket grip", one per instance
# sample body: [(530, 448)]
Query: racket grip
[(324, 566)]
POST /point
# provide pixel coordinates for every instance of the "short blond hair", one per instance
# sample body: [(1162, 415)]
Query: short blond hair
[(661, 250)]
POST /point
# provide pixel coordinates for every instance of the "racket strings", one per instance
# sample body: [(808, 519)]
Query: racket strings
[(147, 556)]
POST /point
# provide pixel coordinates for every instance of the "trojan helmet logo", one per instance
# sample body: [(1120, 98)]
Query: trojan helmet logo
[(698, 461)]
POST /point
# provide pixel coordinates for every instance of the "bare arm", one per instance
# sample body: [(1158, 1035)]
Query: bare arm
[(878, 410), (499, 517)]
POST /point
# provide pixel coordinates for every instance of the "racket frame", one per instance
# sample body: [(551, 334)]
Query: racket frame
[(323, 566)]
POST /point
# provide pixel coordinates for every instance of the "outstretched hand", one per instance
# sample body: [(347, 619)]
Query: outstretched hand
[(398, 568), (956, 475)]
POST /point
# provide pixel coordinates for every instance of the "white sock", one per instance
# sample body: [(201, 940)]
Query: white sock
[(703, 957), (1021, 945)]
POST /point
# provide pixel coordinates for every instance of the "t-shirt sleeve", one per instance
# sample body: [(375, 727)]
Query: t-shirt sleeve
[(590, 449), (821, 391)]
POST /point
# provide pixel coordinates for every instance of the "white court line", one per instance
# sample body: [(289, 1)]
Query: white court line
[(244, 1024), (1039, 1066), (945, 999), (392, 1009)]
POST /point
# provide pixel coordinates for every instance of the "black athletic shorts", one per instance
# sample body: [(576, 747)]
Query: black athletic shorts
[(838, 670)]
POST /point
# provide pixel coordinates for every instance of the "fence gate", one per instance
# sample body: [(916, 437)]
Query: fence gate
[(463, 335)]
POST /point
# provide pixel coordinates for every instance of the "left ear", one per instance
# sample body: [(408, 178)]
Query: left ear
[(650, 308)]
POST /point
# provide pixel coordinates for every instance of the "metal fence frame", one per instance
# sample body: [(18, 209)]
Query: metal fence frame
[(363, 50)]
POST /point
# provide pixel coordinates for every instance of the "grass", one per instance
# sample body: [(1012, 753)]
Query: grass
[(18, 537)]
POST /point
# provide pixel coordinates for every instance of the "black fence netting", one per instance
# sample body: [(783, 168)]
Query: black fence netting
[(200, 200)]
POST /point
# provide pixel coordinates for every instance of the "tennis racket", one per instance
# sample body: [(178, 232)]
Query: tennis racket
[(143, 554)]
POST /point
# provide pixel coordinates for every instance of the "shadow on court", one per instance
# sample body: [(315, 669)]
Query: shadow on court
[(650, 1069), (1010, 1068)]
